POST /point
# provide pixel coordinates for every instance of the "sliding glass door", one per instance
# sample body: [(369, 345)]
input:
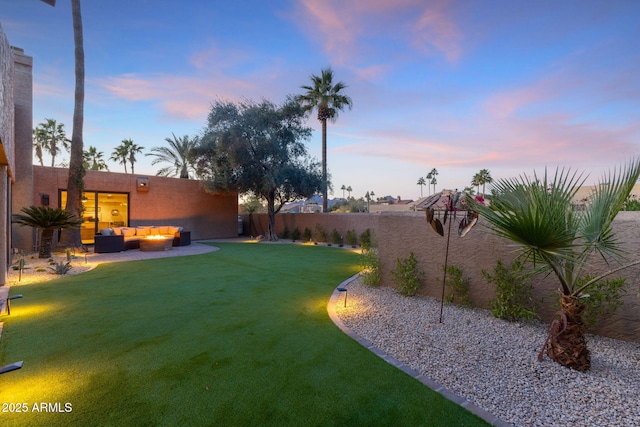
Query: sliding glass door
[(101, 210)]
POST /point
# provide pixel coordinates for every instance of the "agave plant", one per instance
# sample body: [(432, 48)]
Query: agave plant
[(47, 220), (537, 215)]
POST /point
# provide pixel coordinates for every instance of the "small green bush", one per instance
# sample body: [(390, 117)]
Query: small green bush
[(371, 266), (306, 234), (285, 233), (351, 238), (336, 238), (365, 238), (458, 287), (408, 276), (514, 295), (602, 299), (295, 234), (320, 234)]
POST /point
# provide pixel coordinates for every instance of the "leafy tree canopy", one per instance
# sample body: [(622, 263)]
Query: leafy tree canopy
[(258, 148)]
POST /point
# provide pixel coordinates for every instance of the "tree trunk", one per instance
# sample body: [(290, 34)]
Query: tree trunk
[(324, 165), (46, 240), (566, 343), (271, 212), (71, 236)]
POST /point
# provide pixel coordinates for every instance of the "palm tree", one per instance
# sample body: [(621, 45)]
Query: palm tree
[(421, 183), (431, 177), (484, 177), (538, 217), (120, 155), (343, 188), (50, 136), (180, 154), (75, 182), (349, 190), (476, 181), (92, 160), (47, 220), (327, 98)]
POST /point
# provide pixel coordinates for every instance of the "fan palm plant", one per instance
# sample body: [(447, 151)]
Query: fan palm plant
[(537, 215), (47, 220)]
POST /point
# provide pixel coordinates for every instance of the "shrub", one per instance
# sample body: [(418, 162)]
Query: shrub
[(371, 266), (336, 238), (285, 233), (365, 238), (602, 299), (306, 235), (351, 238), (514, 300), (407, 275), (295, 235), (320, 235), (458, 286)]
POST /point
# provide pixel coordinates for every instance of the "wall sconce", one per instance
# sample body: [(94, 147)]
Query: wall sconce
[(142, 184), (44, 199)]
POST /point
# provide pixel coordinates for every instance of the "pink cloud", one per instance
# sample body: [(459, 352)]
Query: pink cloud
[(436, 28)]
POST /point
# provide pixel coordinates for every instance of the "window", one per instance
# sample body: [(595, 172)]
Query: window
[(101, 210)]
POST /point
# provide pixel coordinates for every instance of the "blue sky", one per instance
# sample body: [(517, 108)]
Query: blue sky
[(508, 86)]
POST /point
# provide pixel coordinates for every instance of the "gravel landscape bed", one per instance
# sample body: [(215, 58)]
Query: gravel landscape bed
[(493, 363)]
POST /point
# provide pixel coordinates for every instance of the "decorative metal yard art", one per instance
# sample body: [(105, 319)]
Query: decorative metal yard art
[(455, 207)]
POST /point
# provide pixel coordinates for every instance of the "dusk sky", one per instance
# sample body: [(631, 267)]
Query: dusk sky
[(508, 86)]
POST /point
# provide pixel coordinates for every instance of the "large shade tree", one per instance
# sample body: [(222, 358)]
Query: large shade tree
[(75, 184), (257, 148), (179, 155), (537, 214), (328, 99)]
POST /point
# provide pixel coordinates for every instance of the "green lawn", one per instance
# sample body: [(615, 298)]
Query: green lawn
[(237, 337)]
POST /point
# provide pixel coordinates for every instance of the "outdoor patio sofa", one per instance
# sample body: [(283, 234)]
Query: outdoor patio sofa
[(117, 239)]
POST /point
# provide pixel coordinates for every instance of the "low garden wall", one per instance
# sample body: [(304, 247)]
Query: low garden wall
[(400, 233)]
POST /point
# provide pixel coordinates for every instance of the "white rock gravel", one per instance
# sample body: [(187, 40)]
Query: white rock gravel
[(493, 363)]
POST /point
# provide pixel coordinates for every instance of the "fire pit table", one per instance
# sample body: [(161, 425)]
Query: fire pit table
[(155, 244)]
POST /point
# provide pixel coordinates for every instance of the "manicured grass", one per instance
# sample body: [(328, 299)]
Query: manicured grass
[(238, 337)]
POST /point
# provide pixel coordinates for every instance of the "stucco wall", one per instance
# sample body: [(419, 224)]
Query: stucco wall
[(169, 201), (399, 234)]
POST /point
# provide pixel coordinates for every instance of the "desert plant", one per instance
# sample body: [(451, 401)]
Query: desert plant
[(458, 287), (351, 238), (408, 276), (61, 267), (47, 220), (514, 300), (371, 266), (306, 235), (537, 215), (295, 234)]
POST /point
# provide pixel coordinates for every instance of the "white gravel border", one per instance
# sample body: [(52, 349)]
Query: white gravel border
[(492, 364)]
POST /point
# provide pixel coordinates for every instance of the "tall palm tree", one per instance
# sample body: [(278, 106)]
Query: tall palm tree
[(75, 182), (421, 183), (120, 155), (324, 96), (180, 154), (133, 149), (538, 217), (50, 136), (476, 181), (484, 178), (349, 190), (343, 188), (431, 177), (92, 160), (47, 220)]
